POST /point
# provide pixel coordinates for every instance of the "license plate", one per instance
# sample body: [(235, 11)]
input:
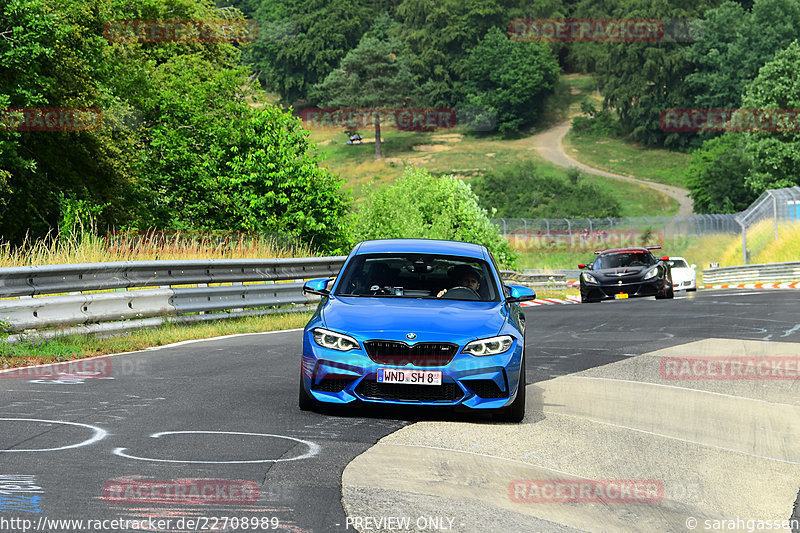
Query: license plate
[(620, 296), (410, 377)]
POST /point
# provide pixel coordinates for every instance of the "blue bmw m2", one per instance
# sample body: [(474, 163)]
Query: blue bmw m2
[(417, 322)]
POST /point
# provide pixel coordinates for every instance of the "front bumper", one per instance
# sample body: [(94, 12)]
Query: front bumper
[(606, 291), (334, 377)]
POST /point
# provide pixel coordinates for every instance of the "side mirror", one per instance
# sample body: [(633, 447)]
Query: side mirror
[(581, 266), (694, 266), (520, 294), (317, 286)]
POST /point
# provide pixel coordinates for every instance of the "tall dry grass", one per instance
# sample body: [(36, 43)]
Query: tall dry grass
[(85, 247)]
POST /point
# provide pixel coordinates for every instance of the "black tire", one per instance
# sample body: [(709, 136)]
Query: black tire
[(516, 411), (663, 294), (305, 401)]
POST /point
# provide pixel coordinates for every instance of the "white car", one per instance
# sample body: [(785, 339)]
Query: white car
[(684, 277)]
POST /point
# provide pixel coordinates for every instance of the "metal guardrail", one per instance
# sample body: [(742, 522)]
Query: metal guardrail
[(113, 297), (748, 273), (547, 281), (144, 293)]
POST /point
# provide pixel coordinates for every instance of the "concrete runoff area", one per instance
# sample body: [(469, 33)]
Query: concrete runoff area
[(720, 449)]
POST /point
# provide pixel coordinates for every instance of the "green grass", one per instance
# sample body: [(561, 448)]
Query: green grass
[(39, 351), (463, 155), (629, 159)]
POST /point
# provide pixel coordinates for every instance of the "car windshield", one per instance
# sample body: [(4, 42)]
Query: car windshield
[(677, 263), (624, 259), (418, 276)]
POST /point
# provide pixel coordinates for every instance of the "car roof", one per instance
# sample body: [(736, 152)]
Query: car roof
[(422, 246), (627, 249)]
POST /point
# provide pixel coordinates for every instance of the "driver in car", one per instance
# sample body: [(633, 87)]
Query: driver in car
[(464, 276)]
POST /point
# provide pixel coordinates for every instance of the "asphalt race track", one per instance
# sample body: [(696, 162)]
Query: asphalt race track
[(223, 413)]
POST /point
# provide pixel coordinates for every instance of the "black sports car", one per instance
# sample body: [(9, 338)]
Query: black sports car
[(626, 273)]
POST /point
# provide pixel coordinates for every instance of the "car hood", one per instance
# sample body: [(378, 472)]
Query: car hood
[(683, 274), (622, 273), (393, 318)]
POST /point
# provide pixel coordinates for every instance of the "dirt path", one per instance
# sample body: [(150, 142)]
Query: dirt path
[(550, 145)]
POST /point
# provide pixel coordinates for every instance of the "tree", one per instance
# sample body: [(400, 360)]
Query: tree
[(438, 36), (274, 183), (717, 175), (180, 147), (733, 44), (373, 75), (420, 205), (299, 43), (510, 78), (776, 154), (52, 57), (641, 79)]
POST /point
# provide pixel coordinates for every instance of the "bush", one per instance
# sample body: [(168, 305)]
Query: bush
[(718, 173), (523, 191), (594, 122), (420, 205)]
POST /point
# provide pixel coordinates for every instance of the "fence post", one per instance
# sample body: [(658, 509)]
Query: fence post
[(744, 242), (505, 231), (775, 212), (547, 223), (569, 230)]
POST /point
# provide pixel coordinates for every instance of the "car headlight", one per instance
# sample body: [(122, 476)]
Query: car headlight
[(334, 341), (588, 278), (490, 346), (651, 274)]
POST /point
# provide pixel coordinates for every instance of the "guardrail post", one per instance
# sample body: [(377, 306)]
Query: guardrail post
[(547, 223)]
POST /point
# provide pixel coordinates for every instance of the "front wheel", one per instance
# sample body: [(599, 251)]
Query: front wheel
[(516, 411), (305, 401)]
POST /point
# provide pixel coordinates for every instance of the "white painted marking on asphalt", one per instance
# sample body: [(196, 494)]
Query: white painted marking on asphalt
[(789, 332), (313, 448), (99, 434)]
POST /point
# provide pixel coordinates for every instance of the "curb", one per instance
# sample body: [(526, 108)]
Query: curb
[(785, 285), (552, 301)]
